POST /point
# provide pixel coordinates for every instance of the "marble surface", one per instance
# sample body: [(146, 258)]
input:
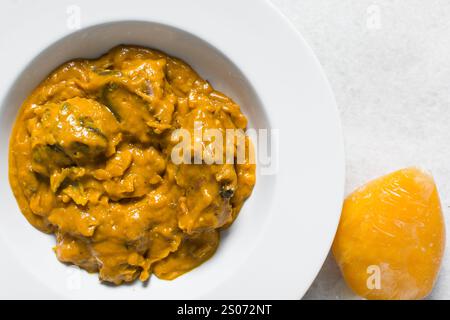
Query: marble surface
[(388, 62)]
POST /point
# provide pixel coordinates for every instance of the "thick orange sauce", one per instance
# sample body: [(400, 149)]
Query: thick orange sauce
[(90, 162)]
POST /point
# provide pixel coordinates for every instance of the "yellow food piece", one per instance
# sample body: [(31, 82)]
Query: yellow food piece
[(90, 160), (391, 236)]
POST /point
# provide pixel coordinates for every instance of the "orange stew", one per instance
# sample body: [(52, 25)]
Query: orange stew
[(90, 161)]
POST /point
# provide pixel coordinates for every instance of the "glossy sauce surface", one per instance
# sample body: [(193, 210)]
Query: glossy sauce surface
[(90, 161)]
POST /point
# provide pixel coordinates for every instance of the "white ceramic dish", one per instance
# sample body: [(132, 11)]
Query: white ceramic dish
[(248, 50)]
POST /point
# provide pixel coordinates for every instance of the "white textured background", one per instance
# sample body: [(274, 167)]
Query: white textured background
[(388, 62)]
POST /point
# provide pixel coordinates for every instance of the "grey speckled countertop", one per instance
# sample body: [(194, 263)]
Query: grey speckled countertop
[(388, 62)]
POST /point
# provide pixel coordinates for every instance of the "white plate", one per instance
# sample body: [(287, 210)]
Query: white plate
[(246, 49)]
